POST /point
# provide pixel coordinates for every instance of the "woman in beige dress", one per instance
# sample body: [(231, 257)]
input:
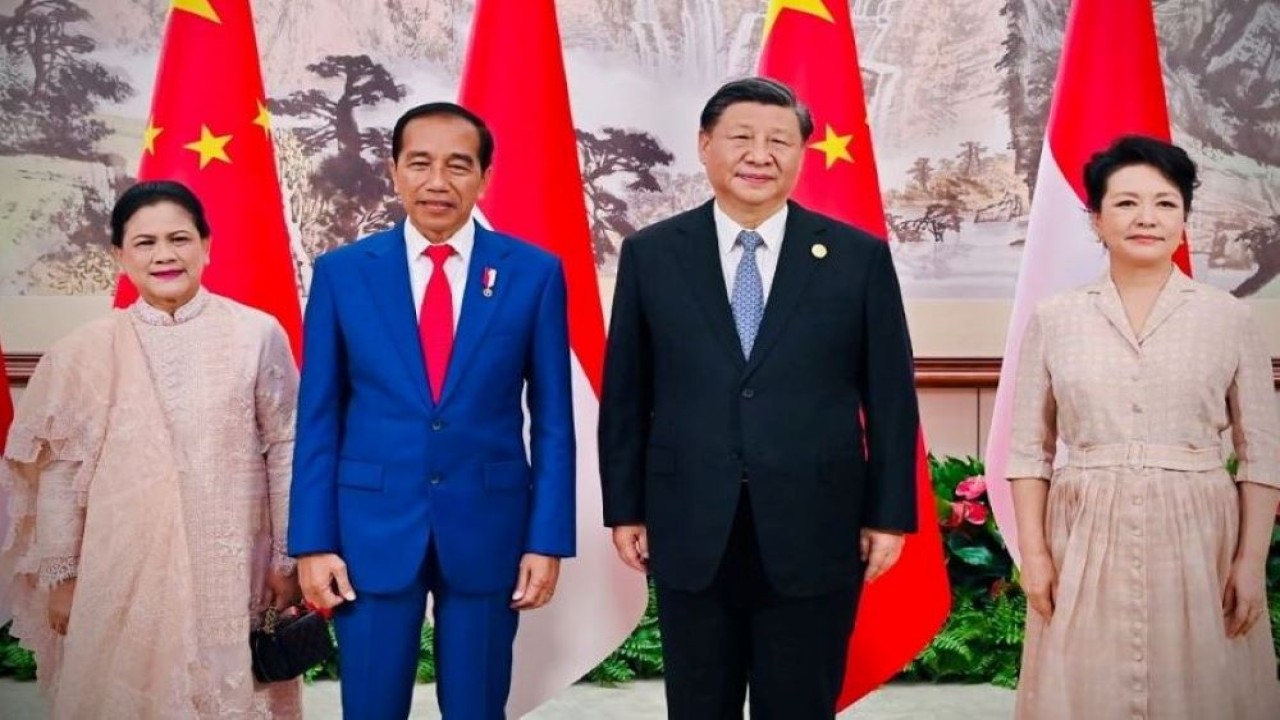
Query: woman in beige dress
[(1143, 560), (148, 474)]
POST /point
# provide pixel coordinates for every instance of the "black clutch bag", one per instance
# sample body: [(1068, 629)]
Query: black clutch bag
[(286, 646)]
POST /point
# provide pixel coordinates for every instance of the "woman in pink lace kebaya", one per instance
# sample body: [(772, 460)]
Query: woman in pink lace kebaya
[(148, 475)]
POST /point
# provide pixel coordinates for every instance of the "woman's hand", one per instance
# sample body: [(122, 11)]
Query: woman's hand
[(60, 598), (1039, 582), (282, 589), (1245, 599)]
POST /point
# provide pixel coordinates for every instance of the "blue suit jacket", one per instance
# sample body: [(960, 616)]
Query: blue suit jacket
[(380, 470)]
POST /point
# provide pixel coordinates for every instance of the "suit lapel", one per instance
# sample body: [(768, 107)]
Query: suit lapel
[(386, 274), (795, 266), (699, 259), (490, 251)]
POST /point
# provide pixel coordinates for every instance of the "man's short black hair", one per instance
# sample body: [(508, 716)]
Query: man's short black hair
[(762, 90), (436, 109)]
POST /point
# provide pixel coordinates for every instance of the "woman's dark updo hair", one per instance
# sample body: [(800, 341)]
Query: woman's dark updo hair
[(1166, 158), (154, 192)]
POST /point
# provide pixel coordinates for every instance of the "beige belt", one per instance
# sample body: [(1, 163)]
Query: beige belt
[(1140, 455)]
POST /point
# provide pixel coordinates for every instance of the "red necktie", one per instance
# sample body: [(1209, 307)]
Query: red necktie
[(435, 321)]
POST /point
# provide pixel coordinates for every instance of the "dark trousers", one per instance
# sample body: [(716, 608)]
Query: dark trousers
[(740, 633)]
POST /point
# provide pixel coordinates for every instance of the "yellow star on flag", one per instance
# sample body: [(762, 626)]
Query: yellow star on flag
[(835, 147), (808, 7), (199, 8), (264, 118), (211, 147), (149, 137)]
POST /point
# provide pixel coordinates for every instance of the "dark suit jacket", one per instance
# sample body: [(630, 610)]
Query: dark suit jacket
[(684, 416)]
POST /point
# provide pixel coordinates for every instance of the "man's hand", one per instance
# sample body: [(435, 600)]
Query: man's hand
[(535, 582), (632, 543), (60, 597), (324, 582), (880, 550)]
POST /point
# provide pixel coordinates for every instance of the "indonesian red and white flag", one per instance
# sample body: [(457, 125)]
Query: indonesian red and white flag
[(514, 78), (6, 419), (6, 414), (1109, 84), (809, 45)]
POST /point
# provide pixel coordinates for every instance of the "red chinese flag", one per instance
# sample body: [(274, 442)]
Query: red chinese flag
[(210, 130), (514, 78), (809, 46)]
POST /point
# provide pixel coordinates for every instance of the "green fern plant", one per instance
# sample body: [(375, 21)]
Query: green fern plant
[(981, 641), (639, 656), (15, 661), (427, 654)]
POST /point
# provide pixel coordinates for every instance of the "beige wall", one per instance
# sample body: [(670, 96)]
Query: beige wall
[(955, 421), (939, 328)]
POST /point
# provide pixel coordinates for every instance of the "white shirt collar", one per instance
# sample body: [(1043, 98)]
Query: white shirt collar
[(462, 241), (771, 230)]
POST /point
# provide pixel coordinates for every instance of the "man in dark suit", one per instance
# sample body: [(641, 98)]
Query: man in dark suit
[(423, 343), (747, 338)]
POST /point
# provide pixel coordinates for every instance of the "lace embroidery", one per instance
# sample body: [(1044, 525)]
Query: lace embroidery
[(283, 564), (155, 316), (56, 570)]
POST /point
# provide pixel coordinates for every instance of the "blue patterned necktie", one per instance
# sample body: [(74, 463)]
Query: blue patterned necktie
[(748, 291)]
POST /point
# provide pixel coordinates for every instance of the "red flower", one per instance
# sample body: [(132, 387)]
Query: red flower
[(975, 513), (956, 517), (998, 588), (972, 488)]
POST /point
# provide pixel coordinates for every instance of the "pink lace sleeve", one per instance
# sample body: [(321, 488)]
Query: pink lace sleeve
[(56, 570), (59, 522), (277, 398)]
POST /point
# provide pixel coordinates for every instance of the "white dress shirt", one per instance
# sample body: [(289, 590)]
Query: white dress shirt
[(455, 268), (771, 230)]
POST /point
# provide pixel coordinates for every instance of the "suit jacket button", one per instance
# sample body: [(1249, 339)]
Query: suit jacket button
[(748, 393), (437, 424)]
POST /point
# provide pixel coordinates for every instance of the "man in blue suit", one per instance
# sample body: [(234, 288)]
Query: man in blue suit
[(410, 470)]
